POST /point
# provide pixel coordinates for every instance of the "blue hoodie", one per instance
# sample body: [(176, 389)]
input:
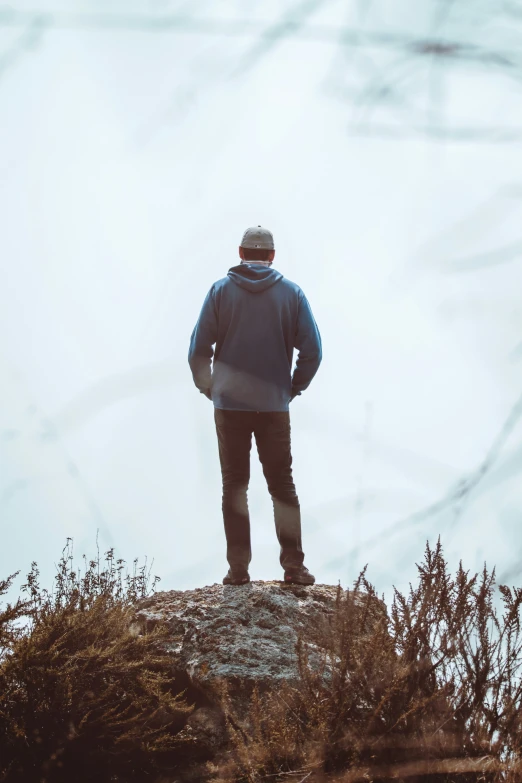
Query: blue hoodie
[(255, 317)]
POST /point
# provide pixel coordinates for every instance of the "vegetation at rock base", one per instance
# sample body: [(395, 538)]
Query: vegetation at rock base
[(432, 692), (429, 691), (83, 696)]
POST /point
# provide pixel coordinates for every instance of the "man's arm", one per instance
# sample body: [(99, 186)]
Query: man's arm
[(308, 342), (203, 338)]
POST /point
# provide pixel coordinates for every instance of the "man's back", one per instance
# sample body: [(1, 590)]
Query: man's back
[(255, 317)]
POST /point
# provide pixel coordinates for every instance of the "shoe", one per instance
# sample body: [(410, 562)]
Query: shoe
[(236, 577), (299, 575)]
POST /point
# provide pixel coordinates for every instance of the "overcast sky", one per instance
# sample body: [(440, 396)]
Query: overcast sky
[(132, 160)]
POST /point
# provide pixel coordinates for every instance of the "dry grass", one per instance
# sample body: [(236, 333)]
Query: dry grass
[(82, 695), (432, 693)]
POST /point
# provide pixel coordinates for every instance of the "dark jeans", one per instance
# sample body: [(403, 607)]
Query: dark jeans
[(272, 433)]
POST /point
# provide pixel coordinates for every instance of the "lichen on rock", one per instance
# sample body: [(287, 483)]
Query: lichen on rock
[(242, 633)]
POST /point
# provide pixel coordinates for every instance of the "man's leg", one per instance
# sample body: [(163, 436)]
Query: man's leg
[(234, 432), (272, 432)]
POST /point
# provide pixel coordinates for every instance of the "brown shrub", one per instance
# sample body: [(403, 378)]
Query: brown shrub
[(83, 695), (432, 692)]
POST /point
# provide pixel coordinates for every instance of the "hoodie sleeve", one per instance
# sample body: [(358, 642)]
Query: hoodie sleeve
[(308, 342), (202, 339)]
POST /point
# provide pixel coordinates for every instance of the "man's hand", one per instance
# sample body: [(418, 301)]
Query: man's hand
[(206, 392)]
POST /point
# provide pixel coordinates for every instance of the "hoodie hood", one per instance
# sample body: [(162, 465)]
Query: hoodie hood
[(254, 277)]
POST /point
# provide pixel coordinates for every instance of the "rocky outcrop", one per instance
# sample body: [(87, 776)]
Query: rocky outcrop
[(245, 635), (241, 635)]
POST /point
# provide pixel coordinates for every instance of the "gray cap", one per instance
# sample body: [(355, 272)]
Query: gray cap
[(258, 237)]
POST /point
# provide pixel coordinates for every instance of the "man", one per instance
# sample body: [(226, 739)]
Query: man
[(256, 317)]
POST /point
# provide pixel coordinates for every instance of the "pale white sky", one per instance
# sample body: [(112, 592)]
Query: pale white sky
[(130, 164)]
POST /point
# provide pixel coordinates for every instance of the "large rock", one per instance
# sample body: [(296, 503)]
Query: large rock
[(246, 634), (242, 636)]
